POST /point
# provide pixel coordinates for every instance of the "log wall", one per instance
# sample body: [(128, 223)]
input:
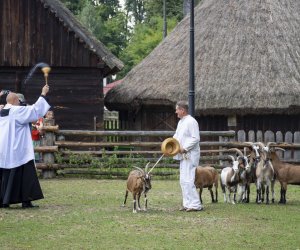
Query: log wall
[(31, 33)]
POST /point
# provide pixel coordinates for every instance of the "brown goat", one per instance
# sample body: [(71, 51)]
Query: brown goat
[(285, 173), (138, 182), (207, 177)]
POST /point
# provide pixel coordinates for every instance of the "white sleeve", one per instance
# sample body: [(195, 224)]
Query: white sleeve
[(194, 136), (31, 113)]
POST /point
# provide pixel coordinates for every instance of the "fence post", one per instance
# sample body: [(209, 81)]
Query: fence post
[(288, 139), (297, 151), (279, 139), (48, 158)]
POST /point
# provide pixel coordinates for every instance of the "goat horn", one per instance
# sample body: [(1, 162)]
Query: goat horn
[(232, 158), (277, 148), (270, 143), (249, 143), (139, 169), (146, 168), (259, 144), (237, 150)]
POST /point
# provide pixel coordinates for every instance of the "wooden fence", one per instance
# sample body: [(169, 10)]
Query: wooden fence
[(93, 152)]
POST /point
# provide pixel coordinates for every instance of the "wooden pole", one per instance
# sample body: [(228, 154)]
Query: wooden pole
[(48, 156)]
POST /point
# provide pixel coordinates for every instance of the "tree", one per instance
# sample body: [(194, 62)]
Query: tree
[(173, 8), (135, 8), (107, 23), (75, 6), (145, 37)]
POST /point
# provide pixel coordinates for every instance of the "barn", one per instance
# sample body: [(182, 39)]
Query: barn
[(247, 71), (35, 31)]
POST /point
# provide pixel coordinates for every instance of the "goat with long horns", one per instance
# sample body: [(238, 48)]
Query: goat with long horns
[(138, 183)]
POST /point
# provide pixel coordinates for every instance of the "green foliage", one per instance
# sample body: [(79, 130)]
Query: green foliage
[(59, 158), (174, 9), (145, 37), (130, 34), (75, 6), (107, 23), (137, 10)]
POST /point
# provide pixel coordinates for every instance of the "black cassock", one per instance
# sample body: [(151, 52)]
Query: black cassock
[(20, 184)]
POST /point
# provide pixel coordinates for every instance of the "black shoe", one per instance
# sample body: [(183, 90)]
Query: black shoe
[(28, 205), (4, 205)]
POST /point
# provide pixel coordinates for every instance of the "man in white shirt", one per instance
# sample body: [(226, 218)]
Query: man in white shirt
[(187, 133), (18, 179)]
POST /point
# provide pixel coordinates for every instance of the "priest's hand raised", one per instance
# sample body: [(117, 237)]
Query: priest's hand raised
[(45, 90)]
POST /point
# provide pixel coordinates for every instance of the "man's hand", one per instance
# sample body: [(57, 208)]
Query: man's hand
[(45, 90), (182, 150)]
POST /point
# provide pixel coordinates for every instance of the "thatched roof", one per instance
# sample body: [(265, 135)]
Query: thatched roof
[(247, 56), (93, 44)]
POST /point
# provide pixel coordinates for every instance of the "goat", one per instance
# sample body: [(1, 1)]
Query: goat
[(250, 176), (229, 179), (264, 175), (207, 177), (138, 182), (285, 173), (244, 171)]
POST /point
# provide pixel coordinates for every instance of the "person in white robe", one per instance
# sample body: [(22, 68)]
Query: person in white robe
[(187, 133), (18, 178)]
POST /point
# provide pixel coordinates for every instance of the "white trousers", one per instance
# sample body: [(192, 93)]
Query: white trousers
[(190, 196)]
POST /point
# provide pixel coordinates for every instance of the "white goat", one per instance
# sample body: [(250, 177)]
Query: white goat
[(229, 180), (264, 175)]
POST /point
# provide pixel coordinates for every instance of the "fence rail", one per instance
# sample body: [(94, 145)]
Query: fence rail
[(138, 147)]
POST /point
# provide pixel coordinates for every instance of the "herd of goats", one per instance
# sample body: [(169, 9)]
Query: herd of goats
[(262, 167)]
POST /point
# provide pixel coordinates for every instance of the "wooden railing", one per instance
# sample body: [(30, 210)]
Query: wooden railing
[(142, 147)]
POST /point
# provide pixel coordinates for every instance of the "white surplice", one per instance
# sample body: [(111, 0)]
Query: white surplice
[(187, 133), (16, 146)]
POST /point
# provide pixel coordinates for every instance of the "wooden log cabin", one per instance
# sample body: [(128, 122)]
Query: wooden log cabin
[(35, 31), (247, 71)]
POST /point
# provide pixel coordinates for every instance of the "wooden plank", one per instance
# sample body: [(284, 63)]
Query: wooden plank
[(241, 136), (259, 136), (46, 149), (297, 151), (251, 136), (279, 139), (139, 133), (269, 136), (288, 139)]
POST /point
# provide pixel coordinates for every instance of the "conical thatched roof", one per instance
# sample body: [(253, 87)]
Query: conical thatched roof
[(247, 56)]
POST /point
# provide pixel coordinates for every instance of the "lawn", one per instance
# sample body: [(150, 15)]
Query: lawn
[(86, 214)]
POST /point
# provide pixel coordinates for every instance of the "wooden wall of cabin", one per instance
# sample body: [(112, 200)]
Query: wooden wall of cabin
[(164, 118), (283, 123), (31, 33), (76, 94)]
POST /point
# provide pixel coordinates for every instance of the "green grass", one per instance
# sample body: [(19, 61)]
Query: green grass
[(86, 214)]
